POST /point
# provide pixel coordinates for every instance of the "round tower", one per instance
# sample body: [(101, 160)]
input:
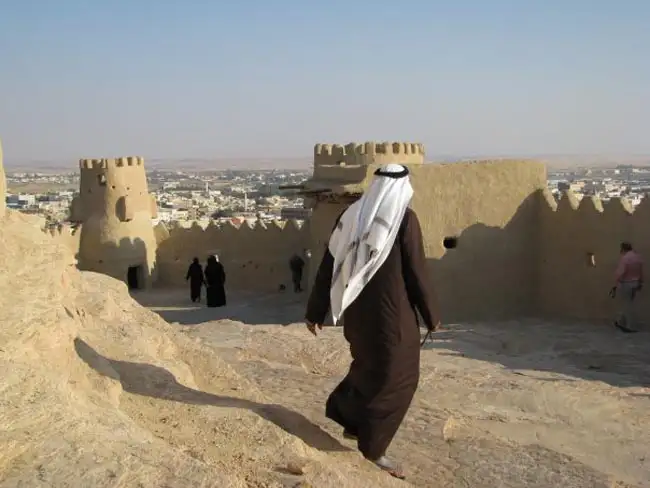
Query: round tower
[(115, 209), (3, 186), (366, 153)]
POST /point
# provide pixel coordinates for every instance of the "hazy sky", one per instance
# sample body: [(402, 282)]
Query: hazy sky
[(255, 78)]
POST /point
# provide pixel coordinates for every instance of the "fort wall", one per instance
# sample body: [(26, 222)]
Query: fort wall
[(68, 235), (116, 209), (255, 257), (497, 242), (579, 250), (490, 208)]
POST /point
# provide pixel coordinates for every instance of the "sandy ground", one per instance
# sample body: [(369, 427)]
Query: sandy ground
[(513, 404), (97, 391)]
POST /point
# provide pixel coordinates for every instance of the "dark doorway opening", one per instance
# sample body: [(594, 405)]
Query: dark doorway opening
[(133, 277)]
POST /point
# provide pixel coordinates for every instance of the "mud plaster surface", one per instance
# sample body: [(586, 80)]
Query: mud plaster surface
[(512, 404)]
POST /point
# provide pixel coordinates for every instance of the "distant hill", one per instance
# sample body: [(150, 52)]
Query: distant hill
[(554, 161), (169, 163)]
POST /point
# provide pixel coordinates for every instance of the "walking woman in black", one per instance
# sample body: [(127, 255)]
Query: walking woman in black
[(215, 279), (195, 276)]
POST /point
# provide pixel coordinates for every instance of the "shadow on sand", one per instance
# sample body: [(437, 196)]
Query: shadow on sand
[(156, 382), (496, 277), (174, 306), (533, 349), (116, 259)]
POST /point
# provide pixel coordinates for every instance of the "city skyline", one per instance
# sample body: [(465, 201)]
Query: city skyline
[(255, 81)]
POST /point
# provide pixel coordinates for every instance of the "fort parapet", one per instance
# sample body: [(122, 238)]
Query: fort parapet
[(115, 209), (497, 243), (486, 210), (68, 235), (368, 153), (578, 252), (256, 256), (336, 161)]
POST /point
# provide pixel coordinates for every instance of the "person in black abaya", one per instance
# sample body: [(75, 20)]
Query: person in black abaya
[(195, 277), (296, 264), (373, 278), (215, 279)]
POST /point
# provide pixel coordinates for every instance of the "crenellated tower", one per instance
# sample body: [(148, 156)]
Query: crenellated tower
[(365, 153), (341, 172), (350, 162), (115, 209)]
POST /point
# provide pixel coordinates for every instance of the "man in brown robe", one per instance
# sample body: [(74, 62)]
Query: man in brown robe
[(373, 275)]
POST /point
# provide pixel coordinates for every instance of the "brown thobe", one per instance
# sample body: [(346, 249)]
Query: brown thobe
[(381, 326)]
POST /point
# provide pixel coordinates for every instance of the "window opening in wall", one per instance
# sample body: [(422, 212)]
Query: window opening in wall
[(133, 277), (450, 242), (591, 260), (101, 179)]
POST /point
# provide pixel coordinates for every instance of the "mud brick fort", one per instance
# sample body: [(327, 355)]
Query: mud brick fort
[(115, 208), (499, 246)]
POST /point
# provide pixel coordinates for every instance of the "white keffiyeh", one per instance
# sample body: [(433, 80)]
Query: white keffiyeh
[(365, 234)]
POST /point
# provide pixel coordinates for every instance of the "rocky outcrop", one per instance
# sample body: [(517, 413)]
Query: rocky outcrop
[(98, 391)]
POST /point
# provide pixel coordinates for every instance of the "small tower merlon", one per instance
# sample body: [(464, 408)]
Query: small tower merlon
[(106, 163), (366, 153), (93, 164)]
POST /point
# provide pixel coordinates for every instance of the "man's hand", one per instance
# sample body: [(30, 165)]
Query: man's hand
[(312, 327)]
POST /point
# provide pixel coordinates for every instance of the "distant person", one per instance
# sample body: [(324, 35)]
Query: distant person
[(629, 280), (195, 276), (215, 279), (297, 264), (373, 276)]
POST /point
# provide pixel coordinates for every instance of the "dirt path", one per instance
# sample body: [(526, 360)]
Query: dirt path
[(519, 404)]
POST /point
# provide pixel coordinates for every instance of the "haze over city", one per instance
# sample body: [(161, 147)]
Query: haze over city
[(250, 81)]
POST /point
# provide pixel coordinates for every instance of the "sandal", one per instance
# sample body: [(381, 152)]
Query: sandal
[(392, 468)]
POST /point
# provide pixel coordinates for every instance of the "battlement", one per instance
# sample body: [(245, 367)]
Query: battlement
[(109, 163), (176, 228), (67, 234), (356, 153), (255, 255), (569, 204), (63, 229), (578, 252), (103, 181)]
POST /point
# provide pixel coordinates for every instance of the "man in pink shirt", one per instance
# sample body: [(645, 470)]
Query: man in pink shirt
[(629, 280)]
